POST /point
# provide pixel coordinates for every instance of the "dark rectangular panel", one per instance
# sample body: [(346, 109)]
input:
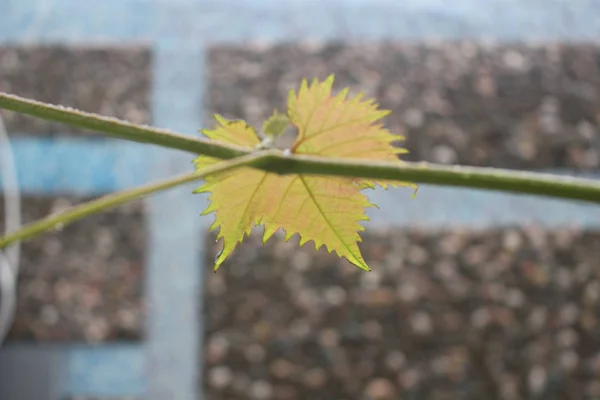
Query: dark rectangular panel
[(85, 281), (525, 106), (112, 81), (503, 313)]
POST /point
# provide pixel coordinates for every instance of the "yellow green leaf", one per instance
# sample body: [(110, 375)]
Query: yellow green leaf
[(336, 126), (326, 210)]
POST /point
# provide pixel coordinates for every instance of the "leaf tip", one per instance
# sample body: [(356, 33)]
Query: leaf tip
[(416, 189)]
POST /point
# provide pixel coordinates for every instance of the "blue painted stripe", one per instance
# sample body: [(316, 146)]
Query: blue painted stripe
[(217, 20), (75, 166), (446, 207), (97, 167), (106, 371), (174, 270)]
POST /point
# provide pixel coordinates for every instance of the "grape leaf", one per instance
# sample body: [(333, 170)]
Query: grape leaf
[(326, 210)]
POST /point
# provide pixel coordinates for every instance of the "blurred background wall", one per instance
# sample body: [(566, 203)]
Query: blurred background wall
[(473, 294)]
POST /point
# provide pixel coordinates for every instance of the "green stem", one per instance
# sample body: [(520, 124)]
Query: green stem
[(533, 183), (59, 220), (275, 161), (118, 128), (474, 177)]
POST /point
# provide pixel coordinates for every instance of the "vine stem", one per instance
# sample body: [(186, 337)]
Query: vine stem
[(277, 162), (118, 128), (71, 214)]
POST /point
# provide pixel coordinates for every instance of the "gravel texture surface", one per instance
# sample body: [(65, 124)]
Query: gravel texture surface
[(85, 281), (511, 313), (112, 81), (522, 106), (502, 314)]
